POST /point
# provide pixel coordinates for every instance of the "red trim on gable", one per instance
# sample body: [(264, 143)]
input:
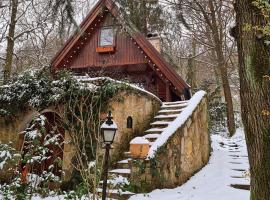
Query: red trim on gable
[(144, 44), (76, 36)]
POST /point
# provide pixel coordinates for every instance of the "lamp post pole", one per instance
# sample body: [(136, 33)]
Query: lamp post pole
[(105, 171)]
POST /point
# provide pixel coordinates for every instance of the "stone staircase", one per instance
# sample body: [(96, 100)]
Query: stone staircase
[(119, 177)]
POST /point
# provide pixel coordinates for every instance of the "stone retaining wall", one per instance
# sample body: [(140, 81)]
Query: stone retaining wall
[(185, 153)]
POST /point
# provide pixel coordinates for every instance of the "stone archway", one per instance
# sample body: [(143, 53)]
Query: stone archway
[(46, 131)]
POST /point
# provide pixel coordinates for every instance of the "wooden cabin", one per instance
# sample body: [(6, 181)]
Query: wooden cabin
[(108, 44)]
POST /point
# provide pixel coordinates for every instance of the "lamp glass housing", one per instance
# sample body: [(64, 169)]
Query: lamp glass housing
[(108, 135)]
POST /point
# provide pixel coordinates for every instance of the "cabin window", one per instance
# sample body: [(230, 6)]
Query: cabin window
[(106, 37), (129, 122), (106, 40)]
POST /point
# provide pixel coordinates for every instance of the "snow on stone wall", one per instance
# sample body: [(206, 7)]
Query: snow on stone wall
[(182, 149), (177, 123)]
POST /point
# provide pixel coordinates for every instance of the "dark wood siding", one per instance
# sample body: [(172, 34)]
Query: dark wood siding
[(126, 51)]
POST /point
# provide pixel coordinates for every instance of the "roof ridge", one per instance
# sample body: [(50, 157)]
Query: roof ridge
[(118, 12)]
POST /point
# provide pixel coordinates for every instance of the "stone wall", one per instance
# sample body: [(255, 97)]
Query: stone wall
[(10, 127), (185, 153), (141, 107)]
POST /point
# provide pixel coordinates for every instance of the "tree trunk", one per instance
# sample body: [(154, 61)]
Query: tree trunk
[(10, 41), (228, 99), (254, 71), (191, 73), (218, 42), (143, 18)]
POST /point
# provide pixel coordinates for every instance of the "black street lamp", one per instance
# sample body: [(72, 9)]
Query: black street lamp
[(108, 129)]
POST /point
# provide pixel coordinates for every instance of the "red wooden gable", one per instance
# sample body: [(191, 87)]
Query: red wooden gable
[(126, 52), (131, 47)]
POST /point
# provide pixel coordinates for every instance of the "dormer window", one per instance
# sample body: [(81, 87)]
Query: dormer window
[(106, 40)]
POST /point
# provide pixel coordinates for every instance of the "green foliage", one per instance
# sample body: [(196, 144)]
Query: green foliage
[(39, 89), (36, 154), (141, 165), (15, 190), (84, 100), (65, 7), (8, 155), (153, 167), (262, 31), (35, 89), (145, 15)]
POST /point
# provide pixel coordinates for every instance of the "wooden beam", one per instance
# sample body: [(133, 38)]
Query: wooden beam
[(168, 92)]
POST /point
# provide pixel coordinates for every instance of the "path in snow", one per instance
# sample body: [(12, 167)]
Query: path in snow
[(226, 166)]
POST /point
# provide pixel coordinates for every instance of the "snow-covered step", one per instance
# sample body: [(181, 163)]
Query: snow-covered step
[(166, 117), (176, 111), (175, 102), (123, 163), (174, 107), (151, 136), (117, 181), (118, 192), (160, 123), (155, 130), (122, 172), (127, 154)]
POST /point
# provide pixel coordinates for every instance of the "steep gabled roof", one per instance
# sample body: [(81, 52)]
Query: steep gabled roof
[(159, 62)]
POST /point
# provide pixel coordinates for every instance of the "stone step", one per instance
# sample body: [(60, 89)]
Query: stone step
[(116, 194), (121, 172), (167, 118), (175, 102), (173, 107), (155, 130), (168, 112), (116, 182), (159, 124), (151, 137), (127, 154), (124, 163)]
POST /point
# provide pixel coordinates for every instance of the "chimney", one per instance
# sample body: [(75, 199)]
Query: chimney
[(154, 39)]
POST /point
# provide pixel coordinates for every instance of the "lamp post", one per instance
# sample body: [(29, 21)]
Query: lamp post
[(108, 129)]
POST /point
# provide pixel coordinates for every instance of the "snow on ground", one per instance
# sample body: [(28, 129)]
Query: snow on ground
[(226, 166), (228, 159)]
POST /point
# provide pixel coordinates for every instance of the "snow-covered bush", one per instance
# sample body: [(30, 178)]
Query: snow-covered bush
[(9, 158), (84, 101), (6, 154), (40, 89), (34, 88), (30, 172)]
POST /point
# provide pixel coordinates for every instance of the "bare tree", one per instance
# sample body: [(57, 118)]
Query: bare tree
[(207, 22)]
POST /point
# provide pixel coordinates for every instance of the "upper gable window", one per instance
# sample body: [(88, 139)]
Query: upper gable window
[(106, 37)]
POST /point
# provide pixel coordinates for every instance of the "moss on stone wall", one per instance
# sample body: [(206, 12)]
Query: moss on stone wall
[(186, 152)]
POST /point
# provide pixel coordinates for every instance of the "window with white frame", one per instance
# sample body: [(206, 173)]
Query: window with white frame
[(106, 37)]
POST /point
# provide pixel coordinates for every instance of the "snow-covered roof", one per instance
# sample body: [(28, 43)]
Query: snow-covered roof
[(133, 86), (107, 126), (139, 140)]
